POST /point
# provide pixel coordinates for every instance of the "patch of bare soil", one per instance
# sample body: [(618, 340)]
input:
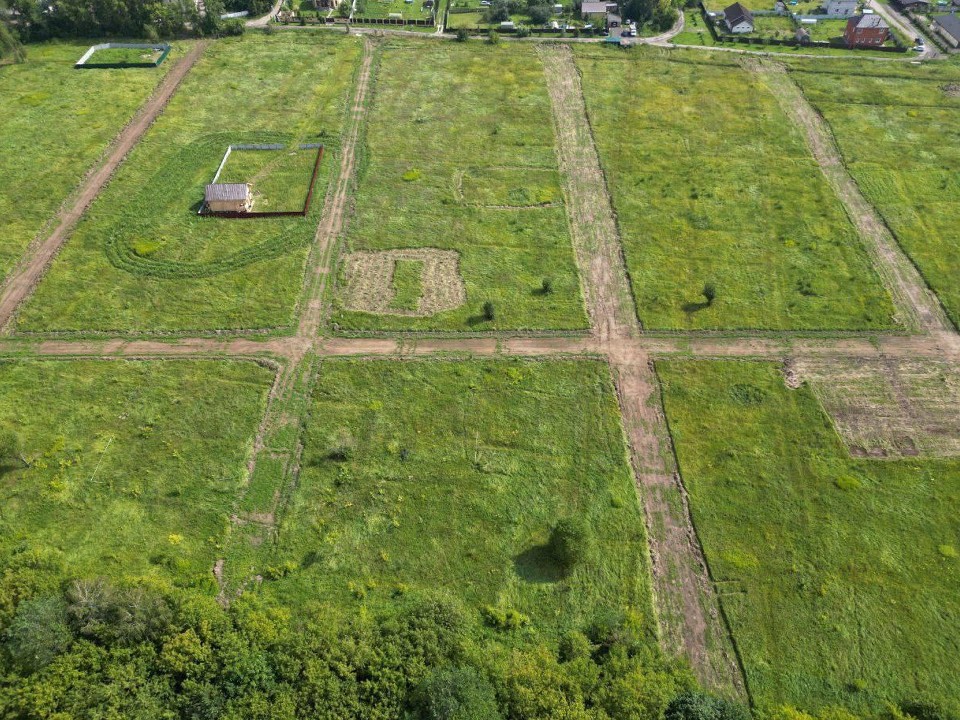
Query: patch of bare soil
[(951, 89), (369, 281), (889, 407)]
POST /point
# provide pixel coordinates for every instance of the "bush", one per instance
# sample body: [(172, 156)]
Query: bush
[(489, 312), (709, 292), (462, 35), (38, 633), (233, 28), (493, 37), (570, 543), (523, 31), (926, 710), (539, 14), (693, 705), (504, 619), (456, 694), (546, 287)]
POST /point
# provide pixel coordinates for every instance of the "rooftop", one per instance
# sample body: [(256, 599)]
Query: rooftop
[(226, 191), (950, 23)]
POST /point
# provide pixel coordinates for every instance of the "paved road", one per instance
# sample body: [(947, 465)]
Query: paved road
[(898, 21)]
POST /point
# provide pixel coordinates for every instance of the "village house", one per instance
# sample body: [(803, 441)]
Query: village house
[(840, 8), (738, 19), (597, 11), (948, 27), (866, 31), (228, 197)]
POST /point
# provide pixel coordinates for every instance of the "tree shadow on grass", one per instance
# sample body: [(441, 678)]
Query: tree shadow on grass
[(691, 307), (536, 565)]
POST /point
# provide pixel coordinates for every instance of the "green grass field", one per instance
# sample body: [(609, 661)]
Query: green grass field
[(839, 576), (899, 133), (460, 156), (437, 476), (56, 121), (142, 260), (134, 466), (712, 184), (384, 8)]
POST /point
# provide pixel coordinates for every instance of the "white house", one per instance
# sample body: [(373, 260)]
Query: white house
[(738, 19), (840, 8)]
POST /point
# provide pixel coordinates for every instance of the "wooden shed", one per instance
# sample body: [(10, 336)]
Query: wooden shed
[(228, 197)]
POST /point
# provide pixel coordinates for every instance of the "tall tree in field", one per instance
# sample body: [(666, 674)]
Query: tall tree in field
[(10, 47)]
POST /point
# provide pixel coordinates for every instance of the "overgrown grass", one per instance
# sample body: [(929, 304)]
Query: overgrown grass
[(204, 273), (838, 575), (124, 56), (713, 185), (407, 284), (438, 476), (55, 122), (900, 137), (460, 156), (134, 466)]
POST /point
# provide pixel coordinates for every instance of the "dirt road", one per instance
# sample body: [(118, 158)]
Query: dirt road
[(25, 277)]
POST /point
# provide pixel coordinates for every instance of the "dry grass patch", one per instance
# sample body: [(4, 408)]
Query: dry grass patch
[(370, 281)]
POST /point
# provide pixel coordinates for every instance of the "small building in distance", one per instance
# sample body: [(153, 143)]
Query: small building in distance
[(803, 35), (913, 4), (866, 31), (738, 19), (948, 27), (228, 197), (597, 11), (840, 8)]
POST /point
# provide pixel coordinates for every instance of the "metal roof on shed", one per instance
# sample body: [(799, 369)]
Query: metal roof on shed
[(950, 23), (226, 191)]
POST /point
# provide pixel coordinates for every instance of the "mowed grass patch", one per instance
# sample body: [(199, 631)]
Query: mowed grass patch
[(900, 138), (713, 185), (836, 574), (134, 466), (143, 260), (279, 179), (56, 122), (459, 155), (407, 284), (439, 476)]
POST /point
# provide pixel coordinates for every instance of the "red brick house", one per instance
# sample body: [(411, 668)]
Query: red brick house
[(866, 31)]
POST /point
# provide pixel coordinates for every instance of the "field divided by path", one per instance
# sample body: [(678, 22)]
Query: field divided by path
[(913, 118), (726, 221), (56, 126), (142, 260)]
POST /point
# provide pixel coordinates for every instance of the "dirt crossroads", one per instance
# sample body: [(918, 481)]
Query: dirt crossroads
[(688, 611)]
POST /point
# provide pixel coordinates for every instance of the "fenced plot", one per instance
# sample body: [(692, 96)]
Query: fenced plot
[(281, 178), (143, 260), (123, 55)]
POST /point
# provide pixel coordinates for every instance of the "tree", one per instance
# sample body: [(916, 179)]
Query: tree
[(9, 40), (456, 693), (498, 11), (539, 14), (570, 543), (343, 9), (38, 633), (693, 705), (546, 287), (709, 293), (489, 312)]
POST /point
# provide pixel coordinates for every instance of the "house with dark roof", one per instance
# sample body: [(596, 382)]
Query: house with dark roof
[(947, 27), (866, 31), (738, 19), (840, 8), (227, 197), (913, 4)]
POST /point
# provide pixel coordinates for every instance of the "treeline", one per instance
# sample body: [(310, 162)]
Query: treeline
[(90, 648), (35, 20)]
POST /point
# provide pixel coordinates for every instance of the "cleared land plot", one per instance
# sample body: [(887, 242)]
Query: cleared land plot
[(890, 408), (125, 56), (460, 157), (900, 138), (384, 8), (712, 185), (55, 123), (134, 466), (143, 260), (437, 476), (839, 575)]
